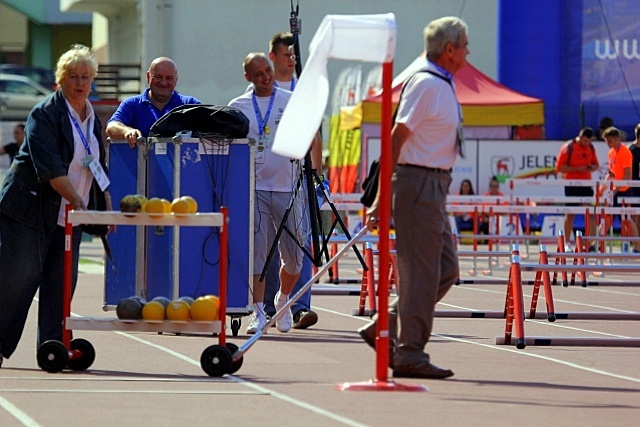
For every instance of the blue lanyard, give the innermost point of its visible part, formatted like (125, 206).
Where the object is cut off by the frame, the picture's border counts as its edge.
(442, 70)
(292, 86)
(449, 76)
(82, 137)
(262, 123)
(153, 111)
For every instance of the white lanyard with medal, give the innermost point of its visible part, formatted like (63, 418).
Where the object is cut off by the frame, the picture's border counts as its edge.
(263, 128)
(88, 161)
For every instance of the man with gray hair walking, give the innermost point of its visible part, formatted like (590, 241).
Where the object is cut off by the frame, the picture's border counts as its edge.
(426, 137)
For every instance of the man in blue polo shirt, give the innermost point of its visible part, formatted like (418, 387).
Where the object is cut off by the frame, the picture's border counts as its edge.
(135, 116)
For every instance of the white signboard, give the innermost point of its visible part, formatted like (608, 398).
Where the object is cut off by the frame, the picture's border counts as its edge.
(505, 159)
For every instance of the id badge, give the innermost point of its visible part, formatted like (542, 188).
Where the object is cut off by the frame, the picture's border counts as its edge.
(261, 149)
(86, 161)
(460, 141)
(99, 175)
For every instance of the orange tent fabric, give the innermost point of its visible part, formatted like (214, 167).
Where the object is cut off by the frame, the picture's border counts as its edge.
(484, 101)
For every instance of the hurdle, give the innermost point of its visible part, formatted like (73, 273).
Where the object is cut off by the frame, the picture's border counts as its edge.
(576, 341)
(569, 341)
(338, 239)
(542, 277)
(497, 254)
(368, 287)
(587, 315)
(475, 255)
(580, 258)
(514, 304)
(348, 202)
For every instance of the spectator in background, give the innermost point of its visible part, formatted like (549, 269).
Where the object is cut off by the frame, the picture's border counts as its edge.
(464, 220)
(494, 190)
(576, 160)
(619, 161)
(607, 122)
(635, 169)
(12, 148)
(135, 116)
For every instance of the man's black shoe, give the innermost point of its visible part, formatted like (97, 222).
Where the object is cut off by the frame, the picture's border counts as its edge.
(422, 370)
(304, 319)
(368, 334)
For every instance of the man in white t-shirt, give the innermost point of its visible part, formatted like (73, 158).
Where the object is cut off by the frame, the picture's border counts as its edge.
(284, 65)
(425, 139)
(276, 178)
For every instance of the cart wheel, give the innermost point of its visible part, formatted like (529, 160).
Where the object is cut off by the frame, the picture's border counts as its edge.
(235, 366)
(52, 356)
(235, 326)
(216, 361)
(87, 355)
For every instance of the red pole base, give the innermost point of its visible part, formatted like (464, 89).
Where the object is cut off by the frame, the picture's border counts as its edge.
(375, 385)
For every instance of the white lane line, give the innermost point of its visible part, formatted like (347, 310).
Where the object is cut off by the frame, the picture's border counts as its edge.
(610, 291)
(16, 413)
(128, 391)
(573, 328)
(335, 417)
(475, 309)
(548, 359)
(314, 409)
(554, 300)
(519, 352)
(64, 377)
(28, 422)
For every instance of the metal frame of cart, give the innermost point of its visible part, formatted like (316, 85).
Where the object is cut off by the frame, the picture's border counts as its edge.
(215, 175)
(79, 354)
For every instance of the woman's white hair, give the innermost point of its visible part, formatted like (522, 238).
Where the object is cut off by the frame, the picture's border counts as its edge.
(78, 54)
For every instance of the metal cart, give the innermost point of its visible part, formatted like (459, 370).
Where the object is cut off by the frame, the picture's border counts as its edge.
(173, 262)
(78, 354)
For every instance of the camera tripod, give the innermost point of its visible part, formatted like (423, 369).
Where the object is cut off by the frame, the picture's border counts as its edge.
(311, 178)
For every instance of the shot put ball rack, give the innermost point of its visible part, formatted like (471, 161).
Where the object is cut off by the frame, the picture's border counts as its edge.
(79, 354)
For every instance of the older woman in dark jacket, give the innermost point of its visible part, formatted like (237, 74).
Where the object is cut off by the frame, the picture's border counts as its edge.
(55, 167)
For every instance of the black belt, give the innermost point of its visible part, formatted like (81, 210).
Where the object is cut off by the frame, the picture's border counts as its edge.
(427, 168)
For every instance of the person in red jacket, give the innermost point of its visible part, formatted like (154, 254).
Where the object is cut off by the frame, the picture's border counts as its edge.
(576, 160)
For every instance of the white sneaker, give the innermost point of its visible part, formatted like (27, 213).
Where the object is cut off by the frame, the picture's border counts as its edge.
(286, 320)
(257, 323)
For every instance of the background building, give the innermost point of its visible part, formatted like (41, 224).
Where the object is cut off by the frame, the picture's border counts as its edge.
(37, 32)
(209, 39)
